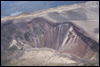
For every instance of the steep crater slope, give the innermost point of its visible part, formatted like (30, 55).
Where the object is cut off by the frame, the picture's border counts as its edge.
(63, 37)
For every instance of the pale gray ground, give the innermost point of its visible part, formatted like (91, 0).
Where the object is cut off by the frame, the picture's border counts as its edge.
(45, 56)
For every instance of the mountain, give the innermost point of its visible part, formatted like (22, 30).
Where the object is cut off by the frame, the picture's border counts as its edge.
(64, 35)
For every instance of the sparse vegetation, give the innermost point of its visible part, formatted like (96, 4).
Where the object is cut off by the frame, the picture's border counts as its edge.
(20, 34)
(13, 49)
(5, 63)
(33, 43)
(5, 36)
(69, 33)
(26, 36)
(42, 41)
(35, 29)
